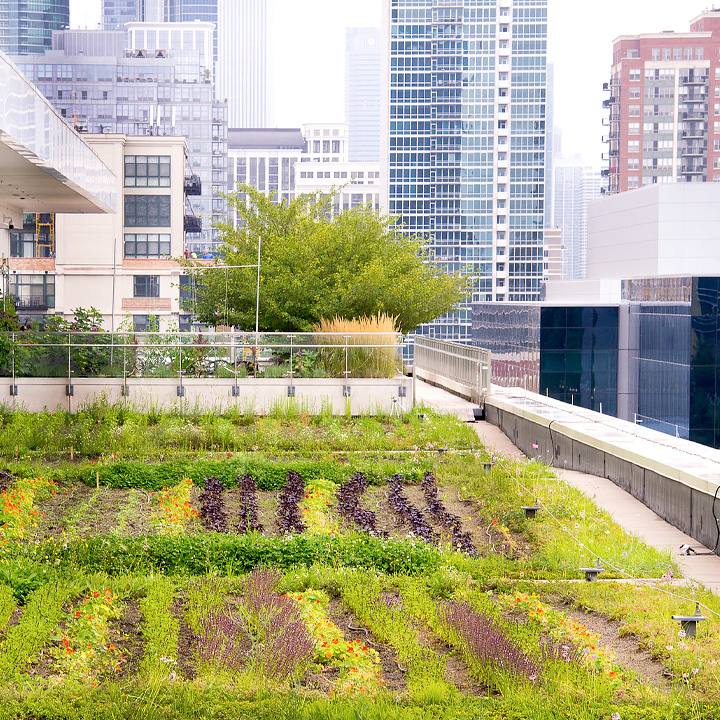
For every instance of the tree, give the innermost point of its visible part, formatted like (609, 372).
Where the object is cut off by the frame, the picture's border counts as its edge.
(356, 264)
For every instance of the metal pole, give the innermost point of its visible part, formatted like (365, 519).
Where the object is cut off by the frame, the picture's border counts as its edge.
(112, 309)
(291, 358)
(257, 300)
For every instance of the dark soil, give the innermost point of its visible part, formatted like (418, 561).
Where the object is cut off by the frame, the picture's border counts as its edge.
(627, 649)
(456, 671)
(125, 635)
(187, 643)
(392, 673)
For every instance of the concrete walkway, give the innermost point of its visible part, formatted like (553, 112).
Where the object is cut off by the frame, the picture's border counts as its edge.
(626, 511)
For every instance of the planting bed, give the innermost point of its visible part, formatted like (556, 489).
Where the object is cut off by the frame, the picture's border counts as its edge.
(343, 584)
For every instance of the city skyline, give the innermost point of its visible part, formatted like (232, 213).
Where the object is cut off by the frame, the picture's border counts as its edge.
(312, 84)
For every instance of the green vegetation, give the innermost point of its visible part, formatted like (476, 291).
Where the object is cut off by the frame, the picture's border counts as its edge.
(320, 601)
(355, 265)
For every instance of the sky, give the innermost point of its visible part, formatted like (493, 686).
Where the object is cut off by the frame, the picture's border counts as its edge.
(309, 53)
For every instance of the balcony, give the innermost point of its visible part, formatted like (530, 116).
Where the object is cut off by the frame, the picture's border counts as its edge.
(193, 224)
(693, 151)
(193, 185)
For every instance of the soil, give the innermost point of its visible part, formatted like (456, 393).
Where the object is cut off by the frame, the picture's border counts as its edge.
(392, 673)
(456, 671)
(126, 636)
(628, 652)
(187, 643)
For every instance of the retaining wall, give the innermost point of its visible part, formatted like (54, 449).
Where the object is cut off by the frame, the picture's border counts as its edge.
(367, 395)
(681, 493)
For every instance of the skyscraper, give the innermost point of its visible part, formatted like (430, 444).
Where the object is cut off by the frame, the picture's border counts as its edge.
(465, 118)
(575, 185)
(240, 47)
(26, 27)
(661, 129)
(242, 70)
(363, 61)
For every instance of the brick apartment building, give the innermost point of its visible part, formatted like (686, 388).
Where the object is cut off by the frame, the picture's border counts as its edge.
(664, 103)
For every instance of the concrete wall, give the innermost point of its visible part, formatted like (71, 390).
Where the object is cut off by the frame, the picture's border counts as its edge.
(368, 396)
(675, 499)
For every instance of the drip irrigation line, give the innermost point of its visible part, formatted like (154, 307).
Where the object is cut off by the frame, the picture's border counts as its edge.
(592, 552)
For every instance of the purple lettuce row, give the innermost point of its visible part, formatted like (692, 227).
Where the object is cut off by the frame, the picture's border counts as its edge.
(487, 641)
(268, 631)
(212, 512)
(348, 503)
(284, 646)
(249, 512)
(223, 640)
(289, 518)
(402, 507)
(447, 520)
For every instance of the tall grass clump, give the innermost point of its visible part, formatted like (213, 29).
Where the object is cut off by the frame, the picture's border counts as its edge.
(364, 357)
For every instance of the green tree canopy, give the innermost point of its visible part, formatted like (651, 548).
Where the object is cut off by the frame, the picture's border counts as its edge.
(356, 264)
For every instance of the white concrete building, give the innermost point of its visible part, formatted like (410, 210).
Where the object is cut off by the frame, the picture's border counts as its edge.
(125, 263)
(326, 142)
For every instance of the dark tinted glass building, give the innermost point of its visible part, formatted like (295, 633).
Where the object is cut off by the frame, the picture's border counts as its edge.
(654, 358)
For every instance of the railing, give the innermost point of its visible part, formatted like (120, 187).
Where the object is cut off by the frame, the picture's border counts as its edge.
(200, 355)
(461, 369)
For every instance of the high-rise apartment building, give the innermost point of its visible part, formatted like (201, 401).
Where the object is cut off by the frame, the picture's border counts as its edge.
(465, 121)
(662, 125)
(26, 27)
(151, 91)
(363, 60)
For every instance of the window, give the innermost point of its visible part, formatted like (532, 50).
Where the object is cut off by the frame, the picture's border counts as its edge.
(32, 292)
(633, 164)
(634, 93)
(147, 211)
(634, 75)
(655, 53)
(147, 171)
(146, 286)
(633, 146)
(699, 53)
(633, 53)
(141, 323)
(688, 53)
(146, 245)
(666, 54)
(633, 181)
(677, 53)
(633, 128)
(634, 111)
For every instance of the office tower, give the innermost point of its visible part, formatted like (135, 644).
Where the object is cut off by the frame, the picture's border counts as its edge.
(575, 185)
(150, 91)
(363, 61)
(660, 87)
(26, 27)
(242, 71)
(464, 118)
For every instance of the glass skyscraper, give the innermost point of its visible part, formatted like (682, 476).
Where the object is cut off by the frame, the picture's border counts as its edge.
(465, 114)
(26, 27)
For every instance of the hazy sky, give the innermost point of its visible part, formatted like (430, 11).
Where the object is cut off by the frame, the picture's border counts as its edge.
(309, 41)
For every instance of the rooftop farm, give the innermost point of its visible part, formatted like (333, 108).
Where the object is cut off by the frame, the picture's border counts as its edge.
(316, 566)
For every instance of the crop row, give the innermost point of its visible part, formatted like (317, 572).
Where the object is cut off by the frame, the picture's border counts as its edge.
(251, 628)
